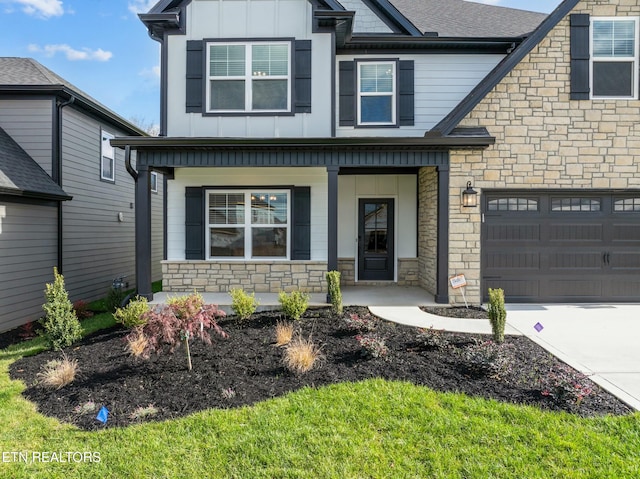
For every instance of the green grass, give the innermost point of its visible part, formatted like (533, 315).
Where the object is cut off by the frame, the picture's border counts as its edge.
(375, 428)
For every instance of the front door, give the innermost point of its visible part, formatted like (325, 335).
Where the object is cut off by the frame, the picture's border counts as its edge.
(375, 240)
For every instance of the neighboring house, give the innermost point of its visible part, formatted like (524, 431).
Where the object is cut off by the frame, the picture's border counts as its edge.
(302, 136)
(66, 199)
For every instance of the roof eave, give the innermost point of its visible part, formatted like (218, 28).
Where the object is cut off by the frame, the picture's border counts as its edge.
(34, 195)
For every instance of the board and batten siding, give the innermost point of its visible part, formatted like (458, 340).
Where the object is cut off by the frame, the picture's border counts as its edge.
(316, 178)
(28, 253)
(242, 19)
(441, 81)
(29, 122)
(97, 246)
(402, 188)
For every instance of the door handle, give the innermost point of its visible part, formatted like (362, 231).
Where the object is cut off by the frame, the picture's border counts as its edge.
(608, 258)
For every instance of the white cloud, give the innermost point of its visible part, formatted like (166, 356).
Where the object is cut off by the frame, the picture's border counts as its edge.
(73, 54)
(42, 8)
(141, 6)
(153, 72)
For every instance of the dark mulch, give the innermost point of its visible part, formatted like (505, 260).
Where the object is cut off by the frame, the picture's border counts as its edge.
(472, 312)
(249, 364)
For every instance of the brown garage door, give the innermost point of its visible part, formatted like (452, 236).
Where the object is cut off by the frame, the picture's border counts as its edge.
(561, 247)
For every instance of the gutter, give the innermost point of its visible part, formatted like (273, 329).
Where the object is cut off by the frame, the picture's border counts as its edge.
(56, 169)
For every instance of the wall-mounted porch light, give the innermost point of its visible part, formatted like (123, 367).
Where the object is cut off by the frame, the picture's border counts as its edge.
(469, 197)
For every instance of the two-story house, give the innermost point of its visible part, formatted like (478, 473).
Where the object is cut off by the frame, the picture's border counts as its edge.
(304, 136)
(66, 199)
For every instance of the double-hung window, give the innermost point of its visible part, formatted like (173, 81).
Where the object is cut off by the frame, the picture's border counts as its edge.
(614, 57)
(107, 158)
(376, 93)
(249, 77)
(248, 224)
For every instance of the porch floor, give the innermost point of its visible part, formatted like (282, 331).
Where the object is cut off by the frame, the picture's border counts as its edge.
(389, 295)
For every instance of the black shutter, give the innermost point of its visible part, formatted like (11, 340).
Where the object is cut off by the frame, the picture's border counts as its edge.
(579, 56)
(301, 232)
(195, 71)
(194, 223)
(405, 93)
(347, 86)
(302, 76)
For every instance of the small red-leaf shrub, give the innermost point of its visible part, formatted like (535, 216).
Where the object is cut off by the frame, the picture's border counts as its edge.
(27, 331)
(432, 338)
(166, 326)
(566, 386)
(487, 358)
(372, 345)
(365, 323)
(82, 310)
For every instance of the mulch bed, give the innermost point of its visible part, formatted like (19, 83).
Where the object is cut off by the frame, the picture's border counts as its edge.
(249, 364)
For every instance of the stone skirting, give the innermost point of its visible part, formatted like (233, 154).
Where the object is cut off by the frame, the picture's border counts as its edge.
(252, 276)
(408, 272)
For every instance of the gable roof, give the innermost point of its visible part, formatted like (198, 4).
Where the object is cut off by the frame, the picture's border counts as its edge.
(461, 18)
(20, 175)
(27, 76)
(448, 123)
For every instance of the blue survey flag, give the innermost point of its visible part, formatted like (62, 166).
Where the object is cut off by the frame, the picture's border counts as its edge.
(103, 415)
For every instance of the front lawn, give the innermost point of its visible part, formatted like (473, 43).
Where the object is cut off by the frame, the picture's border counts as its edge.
(369, 428)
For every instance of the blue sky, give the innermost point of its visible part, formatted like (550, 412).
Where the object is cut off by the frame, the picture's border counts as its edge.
(102, 48)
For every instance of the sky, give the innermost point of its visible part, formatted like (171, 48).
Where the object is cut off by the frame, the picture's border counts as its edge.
(102, 48)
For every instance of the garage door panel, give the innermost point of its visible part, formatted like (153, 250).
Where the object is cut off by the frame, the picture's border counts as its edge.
(575, 247)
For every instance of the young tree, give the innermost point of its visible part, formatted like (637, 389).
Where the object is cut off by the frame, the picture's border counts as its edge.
(61, 327)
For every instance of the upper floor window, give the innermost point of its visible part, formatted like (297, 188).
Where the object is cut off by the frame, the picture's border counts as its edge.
(376, 93)
(614, 57)
(154, 182)
(107, 158)
(249, 77)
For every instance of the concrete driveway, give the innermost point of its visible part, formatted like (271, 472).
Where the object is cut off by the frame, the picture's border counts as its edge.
(600, 340)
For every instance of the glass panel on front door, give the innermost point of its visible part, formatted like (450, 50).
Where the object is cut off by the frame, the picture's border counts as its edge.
(376, 259)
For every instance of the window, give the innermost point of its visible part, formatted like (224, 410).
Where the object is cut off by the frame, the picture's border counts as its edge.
(614, 58)
(249, 77)
(512, 204)
(626, 205)
(154, 182)
(576, 204)
(376, 93)
(248, 224)
(107, 158)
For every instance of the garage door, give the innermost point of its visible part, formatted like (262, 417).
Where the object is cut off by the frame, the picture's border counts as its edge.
(561, 247)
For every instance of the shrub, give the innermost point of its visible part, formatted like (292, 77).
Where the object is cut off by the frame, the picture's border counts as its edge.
(486, 358)
(137, 343)
(497, 314)
(132, 314)
(301, 355)
(175, 323)
(60, 325)
(566, 386)
(243, 304)
(333, 284)
(142, 412)
(82, 309)
(354, 322)
(58, 373)
(284, 333)
(294, 304)
(228, 394)
(85, 408)
(114, 299)
(373, 346)
(27, 331)
(432, 338)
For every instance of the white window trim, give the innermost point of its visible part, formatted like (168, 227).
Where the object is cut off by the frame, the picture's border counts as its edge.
(154, 174)
(248, 77)
(108, 136)
(248, 226)
(635, 59)
(394, 93)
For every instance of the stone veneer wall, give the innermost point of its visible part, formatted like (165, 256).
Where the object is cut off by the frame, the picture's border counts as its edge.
(408, 272)
(427, 228)
(543, 139)
(253, 276)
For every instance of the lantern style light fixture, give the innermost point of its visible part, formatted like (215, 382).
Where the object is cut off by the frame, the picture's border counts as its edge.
(469, 197)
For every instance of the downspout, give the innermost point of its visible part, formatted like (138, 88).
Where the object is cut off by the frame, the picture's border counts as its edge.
(56, 169)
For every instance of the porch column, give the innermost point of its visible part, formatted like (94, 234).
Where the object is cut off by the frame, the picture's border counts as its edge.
(332, 214)
(442, 287)
(143, 232)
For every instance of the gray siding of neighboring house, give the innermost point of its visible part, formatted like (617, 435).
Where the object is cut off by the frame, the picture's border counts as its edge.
(157, 230)
(97, 246)
(28, 253)
(29, 123)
